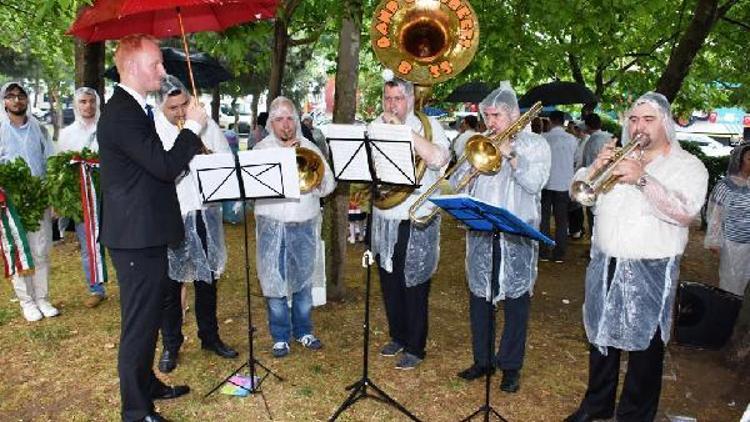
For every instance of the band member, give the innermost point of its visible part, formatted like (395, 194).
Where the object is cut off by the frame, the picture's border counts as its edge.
(288, 239)
(640, 234)
(141, 215)
(202, 254)
(517, 187)
(407, 253)
(21, 136)
(79, 135)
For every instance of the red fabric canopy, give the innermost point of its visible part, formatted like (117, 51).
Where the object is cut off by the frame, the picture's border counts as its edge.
(114, 19)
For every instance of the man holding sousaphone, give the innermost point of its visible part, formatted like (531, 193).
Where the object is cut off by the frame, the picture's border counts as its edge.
(288, 235)
(517, 187)
(407, 253)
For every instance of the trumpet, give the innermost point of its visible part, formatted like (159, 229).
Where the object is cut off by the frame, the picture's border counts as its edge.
(310, 169)
(602, 180)
(483, 153)
(180, 123)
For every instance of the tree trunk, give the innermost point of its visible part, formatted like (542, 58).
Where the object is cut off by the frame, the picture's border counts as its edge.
(215, 103)
(281, 45)
(705, 15)
(89, 60)
(738, 351)
(345, 107)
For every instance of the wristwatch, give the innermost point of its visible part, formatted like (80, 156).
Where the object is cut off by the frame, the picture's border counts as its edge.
(642, 181)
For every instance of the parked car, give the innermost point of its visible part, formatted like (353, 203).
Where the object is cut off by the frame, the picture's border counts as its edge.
(709, 146)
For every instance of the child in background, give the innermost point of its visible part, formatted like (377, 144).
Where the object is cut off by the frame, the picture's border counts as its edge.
(358, 197)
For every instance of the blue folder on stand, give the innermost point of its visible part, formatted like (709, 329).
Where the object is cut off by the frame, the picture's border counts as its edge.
(481, 216)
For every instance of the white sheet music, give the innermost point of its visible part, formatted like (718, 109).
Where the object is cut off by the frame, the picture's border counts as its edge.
(265, 173)
(348, 152)
(392, 153)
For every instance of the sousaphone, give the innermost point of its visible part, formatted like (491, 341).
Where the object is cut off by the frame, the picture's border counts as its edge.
(425, 42)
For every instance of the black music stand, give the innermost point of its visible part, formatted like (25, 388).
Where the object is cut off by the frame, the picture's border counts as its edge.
(269, 176)
(481, 216)
(349, 168)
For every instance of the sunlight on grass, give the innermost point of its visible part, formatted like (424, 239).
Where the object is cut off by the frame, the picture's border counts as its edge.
(48, 334)
(5, 316)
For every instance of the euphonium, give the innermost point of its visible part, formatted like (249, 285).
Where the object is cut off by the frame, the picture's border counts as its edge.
(310, 169)
(425, 43)
(602, 180)
(483, 153)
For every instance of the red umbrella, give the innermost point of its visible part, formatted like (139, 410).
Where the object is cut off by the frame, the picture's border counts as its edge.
(114, 19)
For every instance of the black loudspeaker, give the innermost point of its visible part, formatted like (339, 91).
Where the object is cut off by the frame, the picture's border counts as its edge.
(705, 315)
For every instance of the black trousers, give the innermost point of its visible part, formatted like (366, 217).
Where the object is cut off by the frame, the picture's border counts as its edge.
(639, 399)
(512, 347)
(555, 203)
(142, 275)
(205, 306)
(405, 307)
(575, 220)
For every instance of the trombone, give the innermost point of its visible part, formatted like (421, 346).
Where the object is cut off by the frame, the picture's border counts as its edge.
(483, 153)
(602, 180)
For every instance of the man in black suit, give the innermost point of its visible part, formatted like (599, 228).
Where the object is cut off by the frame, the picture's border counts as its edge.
(141, 215)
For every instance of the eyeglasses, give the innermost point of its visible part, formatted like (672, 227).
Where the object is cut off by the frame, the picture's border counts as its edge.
(17, 97)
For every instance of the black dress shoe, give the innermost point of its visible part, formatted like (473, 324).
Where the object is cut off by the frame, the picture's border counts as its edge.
(165, 392)
(154, 417)
(475, 371)
(220, 349)
(511, 380)
(168, 361)
(581, 416)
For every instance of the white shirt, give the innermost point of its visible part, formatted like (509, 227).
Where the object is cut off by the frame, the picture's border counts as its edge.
(212, 137)
(78, 136)
(459, 144)
(562, 147)
(629, 226)
(439, 138)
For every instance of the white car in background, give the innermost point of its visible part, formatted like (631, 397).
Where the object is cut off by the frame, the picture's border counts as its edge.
(708, 145)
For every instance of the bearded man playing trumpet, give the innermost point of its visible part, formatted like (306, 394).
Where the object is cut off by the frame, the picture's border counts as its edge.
(517, 187)
(640, 234)
(408, 253)
(288, 239)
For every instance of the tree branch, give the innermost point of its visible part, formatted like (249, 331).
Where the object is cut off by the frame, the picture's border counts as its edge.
(742, 25)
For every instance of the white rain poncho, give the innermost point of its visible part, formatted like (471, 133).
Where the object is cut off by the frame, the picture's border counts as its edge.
(288, 230)
(423, 248)
(729, 224)
(29, 142)
(519, 191)
(189, 261)
(646, 232)
(78, 136)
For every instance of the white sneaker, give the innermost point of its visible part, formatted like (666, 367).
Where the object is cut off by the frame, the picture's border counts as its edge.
(47, 309)
(31, 312)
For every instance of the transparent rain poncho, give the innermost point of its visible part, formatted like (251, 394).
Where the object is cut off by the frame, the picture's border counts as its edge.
(519, 191)
(729, 223)
(287, 231)
(77, 136)
(646, 231)
(191, 260)
(30, 142)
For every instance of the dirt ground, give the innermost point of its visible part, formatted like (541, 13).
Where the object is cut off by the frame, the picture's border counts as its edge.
(64, 369)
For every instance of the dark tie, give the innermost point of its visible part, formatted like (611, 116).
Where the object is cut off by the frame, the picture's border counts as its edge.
(150, 111)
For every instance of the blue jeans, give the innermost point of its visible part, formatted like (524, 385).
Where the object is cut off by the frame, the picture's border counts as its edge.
(279, 322)
(96, 289)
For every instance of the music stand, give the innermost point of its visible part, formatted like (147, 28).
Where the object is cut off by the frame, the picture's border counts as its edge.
(270, 173)
(356, 158)
(481, 216)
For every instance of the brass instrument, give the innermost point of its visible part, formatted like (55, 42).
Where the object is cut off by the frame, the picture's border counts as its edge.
(180, 123)
(483, 153)
(310, 169)
(602, 180)
(425, 43)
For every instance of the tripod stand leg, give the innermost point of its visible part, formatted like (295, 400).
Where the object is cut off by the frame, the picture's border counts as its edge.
(217, 386)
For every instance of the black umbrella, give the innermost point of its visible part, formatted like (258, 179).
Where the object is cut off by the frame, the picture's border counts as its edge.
(470, 92)
(555, 93)
(208, 72)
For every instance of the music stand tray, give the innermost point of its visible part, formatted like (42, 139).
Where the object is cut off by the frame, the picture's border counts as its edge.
(481, 216)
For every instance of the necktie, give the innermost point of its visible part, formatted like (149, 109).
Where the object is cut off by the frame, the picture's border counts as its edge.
(150, 111)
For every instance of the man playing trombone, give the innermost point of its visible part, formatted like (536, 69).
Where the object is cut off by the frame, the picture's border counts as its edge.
(517, 187)
(640, 234)
(408, 253)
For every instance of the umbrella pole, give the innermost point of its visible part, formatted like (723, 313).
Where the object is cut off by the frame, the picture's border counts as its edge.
(187, 53)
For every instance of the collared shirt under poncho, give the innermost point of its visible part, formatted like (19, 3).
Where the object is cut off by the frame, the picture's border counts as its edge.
(646, 231)
(288, 233)
(189, 261)
(423, 249)
(519, 191)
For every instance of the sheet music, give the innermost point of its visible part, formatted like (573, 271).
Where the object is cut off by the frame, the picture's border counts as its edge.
(214, 176)
(392, 153)
(348, 152)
